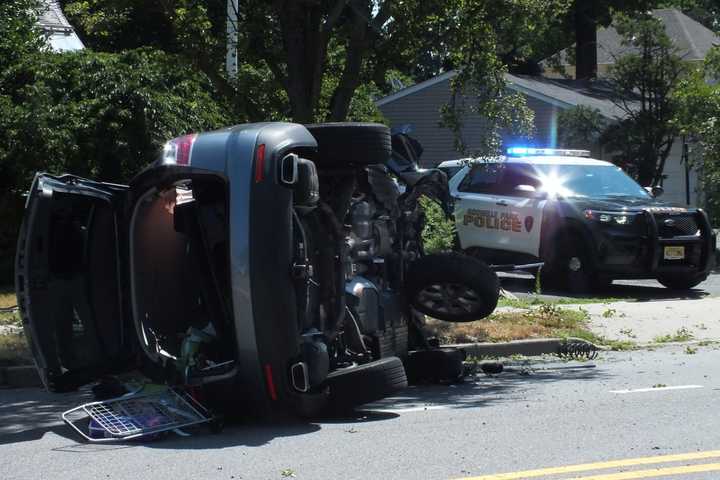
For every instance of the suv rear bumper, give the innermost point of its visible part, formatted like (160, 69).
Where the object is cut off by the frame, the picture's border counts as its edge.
(642, 254)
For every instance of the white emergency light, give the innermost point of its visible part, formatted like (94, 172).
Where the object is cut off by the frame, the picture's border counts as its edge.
(558, 152)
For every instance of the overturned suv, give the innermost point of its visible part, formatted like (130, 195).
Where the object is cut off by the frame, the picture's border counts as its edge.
(275, 266)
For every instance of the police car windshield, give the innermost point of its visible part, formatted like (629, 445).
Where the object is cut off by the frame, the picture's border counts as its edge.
(591, 181)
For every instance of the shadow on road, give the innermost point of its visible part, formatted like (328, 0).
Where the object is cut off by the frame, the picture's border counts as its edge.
(27, 415)
(514, 384)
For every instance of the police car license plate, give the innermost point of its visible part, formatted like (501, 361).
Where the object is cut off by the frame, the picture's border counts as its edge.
(674, 253)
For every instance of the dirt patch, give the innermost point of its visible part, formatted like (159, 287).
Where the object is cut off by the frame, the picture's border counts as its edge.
(14, 349)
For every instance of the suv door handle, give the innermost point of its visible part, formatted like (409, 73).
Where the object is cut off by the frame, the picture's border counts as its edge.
(502, 203)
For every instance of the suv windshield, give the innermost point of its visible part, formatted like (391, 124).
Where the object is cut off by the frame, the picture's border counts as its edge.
(588, 181)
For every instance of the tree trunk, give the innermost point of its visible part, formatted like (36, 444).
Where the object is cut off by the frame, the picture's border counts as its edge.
(305, 47)
(585, 39)
(356, 48)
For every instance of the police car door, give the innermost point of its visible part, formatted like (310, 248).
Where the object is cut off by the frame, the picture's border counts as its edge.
(521, 204)
(477, 209)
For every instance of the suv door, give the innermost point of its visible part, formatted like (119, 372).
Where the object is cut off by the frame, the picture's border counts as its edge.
(68, 280)
(478, 210)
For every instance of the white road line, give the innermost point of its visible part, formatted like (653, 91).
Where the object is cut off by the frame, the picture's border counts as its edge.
(658, 389)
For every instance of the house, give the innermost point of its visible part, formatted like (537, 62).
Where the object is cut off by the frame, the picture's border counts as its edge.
(419, 105)
(692, 40)
(61, 36)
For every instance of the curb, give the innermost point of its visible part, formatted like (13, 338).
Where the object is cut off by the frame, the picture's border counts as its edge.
(528, 348)
(19, 377)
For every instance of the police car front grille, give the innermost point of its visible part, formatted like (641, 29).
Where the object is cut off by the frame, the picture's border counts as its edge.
(675, 225)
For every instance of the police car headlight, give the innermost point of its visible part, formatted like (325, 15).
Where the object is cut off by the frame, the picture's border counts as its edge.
(618, 218)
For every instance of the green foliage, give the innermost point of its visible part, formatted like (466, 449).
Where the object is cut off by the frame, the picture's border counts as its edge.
(439, 232)
(98, 115)
(698, 118)
(580, 127)
(645, 81)
(19, 34)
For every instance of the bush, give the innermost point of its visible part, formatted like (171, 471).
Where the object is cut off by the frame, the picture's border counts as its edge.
(99, 115)
(439, 232)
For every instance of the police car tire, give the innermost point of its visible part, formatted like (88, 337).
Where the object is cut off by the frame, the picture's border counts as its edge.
(558, 274)
(682, 282)
(448, 268)
(344, 144)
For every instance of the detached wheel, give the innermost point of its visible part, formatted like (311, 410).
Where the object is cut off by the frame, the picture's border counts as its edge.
(440, 365)
(346, 143)
(452, 287)
(682, 282)
(361, 384)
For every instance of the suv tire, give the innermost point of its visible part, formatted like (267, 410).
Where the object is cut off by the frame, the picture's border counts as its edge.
(438, 365)
(452, 287)
(369, 382)
(346, 144)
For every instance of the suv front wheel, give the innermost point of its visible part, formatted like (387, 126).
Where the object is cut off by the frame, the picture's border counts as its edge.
(571, 269)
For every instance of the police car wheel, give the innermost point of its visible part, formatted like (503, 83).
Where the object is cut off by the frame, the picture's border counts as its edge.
(572, 270)
(682, 282)
(452, 287)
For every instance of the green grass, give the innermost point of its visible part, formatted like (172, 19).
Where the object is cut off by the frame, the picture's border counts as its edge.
(681, 335)
(545, 320)
(7, 296)
(10, 318)
(14, 350)
(533, 301)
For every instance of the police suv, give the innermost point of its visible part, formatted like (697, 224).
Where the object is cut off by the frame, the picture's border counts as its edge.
(587, 220)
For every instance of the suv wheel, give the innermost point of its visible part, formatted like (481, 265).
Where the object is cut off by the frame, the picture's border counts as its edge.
(452, 287)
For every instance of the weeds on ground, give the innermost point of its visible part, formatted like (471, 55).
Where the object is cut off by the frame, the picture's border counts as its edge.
(681, 335)
(14, 350)
(7, 297)
(10, 318)
(533, 300)
(545, 320)
(690, 350)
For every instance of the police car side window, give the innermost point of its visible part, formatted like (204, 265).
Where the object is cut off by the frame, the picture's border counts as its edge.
(516, 180)
(483, 178)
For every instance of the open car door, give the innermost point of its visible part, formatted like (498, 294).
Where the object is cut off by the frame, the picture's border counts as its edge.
(69, 280)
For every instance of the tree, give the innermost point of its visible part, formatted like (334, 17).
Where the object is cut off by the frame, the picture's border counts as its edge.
(645, 82)
(698, 118)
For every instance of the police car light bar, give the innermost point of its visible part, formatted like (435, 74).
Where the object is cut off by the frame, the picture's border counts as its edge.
(561, 152)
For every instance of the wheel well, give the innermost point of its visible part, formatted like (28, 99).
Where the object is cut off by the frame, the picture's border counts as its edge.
(569, 229)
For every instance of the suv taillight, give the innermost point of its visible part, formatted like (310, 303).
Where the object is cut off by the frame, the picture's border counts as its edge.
(178, 150)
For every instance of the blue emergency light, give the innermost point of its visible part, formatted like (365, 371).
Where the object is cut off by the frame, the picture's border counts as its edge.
(559, 152)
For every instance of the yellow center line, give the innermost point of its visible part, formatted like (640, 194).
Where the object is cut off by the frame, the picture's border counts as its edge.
(656, 472)
(631, 462)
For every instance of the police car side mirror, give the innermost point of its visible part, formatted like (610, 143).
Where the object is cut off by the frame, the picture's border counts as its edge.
(529, 191)
(655, 191)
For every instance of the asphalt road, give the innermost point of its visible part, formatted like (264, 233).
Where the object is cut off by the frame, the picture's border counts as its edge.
(536, 417)
(524, 284)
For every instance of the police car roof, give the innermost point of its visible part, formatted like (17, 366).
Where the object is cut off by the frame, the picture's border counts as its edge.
(531, 159)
